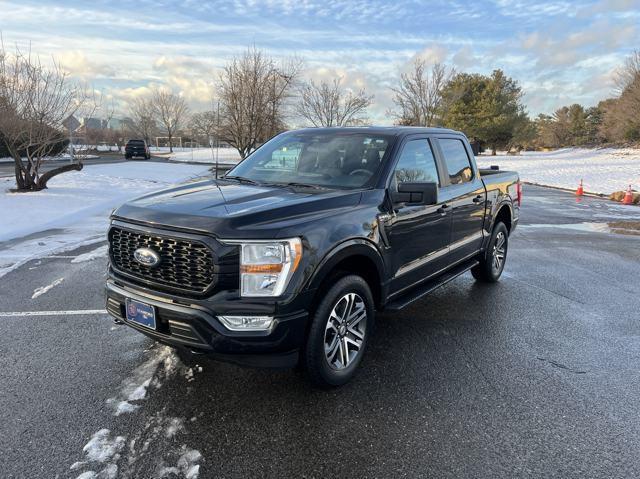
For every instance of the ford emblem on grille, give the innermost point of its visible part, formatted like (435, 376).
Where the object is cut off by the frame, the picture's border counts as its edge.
(146, 256)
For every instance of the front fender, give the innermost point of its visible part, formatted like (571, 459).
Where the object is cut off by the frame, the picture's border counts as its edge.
(344, 250)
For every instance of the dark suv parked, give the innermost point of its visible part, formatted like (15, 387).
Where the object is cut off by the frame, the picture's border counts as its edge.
(286, 259)
(137, 149)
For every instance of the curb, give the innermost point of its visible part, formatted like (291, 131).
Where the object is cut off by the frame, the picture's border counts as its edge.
(569, 190)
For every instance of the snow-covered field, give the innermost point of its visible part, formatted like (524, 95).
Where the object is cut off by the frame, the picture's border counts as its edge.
(74, 210)
(603, 170)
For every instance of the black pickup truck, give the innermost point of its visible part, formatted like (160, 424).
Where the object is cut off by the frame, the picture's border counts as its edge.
(137, 149)
(285, 260)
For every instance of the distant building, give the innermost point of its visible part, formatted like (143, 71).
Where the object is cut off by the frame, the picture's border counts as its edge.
(93, 123)
(125, 123)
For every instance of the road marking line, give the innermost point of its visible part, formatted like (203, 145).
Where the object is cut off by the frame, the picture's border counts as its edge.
(77, 312)
(44, 289)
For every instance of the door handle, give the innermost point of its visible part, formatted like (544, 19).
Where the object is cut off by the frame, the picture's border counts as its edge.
(478, 199)
(443, 209)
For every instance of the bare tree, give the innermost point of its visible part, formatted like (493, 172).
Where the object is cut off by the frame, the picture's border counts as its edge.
(621, 121)
(143, 117)
(34, 101)
(418, 98)
(170, 111)
(329, 104)
(253, 91)
(629, 73)
(203, 125)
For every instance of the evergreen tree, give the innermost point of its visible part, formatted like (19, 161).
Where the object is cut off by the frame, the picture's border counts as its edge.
(486, 108)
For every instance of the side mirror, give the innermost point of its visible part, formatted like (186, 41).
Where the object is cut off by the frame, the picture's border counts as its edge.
(416, 193)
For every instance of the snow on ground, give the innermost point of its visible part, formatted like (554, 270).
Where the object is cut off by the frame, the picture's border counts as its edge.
(603, 170)
(108, 455)
(74, 210)
(226, 156)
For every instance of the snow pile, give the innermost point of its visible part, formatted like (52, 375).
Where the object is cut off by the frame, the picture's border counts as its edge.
(226, 156)
(603, 170)
(76, 205)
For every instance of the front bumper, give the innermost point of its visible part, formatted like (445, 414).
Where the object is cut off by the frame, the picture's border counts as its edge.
(195, 327)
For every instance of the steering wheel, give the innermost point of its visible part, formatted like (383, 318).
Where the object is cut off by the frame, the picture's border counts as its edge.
(361, 171)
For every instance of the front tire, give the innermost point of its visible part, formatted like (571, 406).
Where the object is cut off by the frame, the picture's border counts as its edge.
(492, 262)
(341, 326)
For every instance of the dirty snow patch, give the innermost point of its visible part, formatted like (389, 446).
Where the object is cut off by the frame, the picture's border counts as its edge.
(102, 448)
(187, 465)
(135, 387)
(91, 255)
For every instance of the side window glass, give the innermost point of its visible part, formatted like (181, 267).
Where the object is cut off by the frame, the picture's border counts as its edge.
(457, 160)
(416, 163)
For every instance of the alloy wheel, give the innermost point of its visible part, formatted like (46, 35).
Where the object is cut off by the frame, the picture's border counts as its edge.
(499, 251)
(345, 331)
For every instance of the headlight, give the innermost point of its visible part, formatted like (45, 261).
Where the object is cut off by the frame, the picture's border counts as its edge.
(267, 266)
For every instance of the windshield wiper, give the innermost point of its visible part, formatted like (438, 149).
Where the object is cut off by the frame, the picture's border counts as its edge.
(302, 185)
(241, 179)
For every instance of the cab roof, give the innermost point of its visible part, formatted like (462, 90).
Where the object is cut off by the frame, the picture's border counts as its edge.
(382, 130)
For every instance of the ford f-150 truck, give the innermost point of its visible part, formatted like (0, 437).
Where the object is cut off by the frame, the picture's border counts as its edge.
(286, 259)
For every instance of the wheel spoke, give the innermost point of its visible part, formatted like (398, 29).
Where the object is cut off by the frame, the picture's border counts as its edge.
(345, 349)
(348, 340)
(358, 316)
(356, 333)
(343, 353)
(333, 349)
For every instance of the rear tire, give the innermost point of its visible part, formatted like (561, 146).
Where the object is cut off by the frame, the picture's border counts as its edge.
(494, 258)
(341, 326)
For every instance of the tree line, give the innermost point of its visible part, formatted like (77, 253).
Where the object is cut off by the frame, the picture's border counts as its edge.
(259, 96)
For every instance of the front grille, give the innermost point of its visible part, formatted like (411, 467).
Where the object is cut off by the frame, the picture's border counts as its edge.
(184, 264)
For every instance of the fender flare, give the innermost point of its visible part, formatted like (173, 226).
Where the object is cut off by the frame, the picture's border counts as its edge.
(494, 214)
(352, 247)
(506, 201)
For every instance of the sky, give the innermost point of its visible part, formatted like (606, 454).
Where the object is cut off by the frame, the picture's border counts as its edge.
(560, 52)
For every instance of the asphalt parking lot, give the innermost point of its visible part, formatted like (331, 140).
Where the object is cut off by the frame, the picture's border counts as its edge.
(536, 376)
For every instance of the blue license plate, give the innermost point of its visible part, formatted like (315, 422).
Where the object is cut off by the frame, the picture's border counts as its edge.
(141, 313)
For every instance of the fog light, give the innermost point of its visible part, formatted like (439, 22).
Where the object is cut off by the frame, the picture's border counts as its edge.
(246, 323)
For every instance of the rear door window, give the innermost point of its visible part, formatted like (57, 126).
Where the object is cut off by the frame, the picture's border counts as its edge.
(457, 160)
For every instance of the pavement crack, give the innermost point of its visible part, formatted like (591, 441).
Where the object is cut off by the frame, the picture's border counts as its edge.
(558, 365)
(546, 289)
(473, 363)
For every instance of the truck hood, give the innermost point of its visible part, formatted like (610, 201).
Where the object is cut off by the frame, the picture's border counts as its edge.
(232, 210)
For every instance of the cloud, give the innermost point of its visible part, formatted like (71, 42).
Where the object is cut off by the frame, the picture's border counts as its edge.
(556, 49)
(76, 63)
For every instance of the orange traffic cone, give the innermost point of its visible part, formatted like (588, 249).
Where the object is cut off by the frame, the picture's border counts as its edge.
(628, 197)
(580, 190)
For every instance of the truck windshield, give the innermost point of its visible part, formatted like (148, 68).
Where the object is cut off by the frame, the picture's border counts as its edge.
(331, 160)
